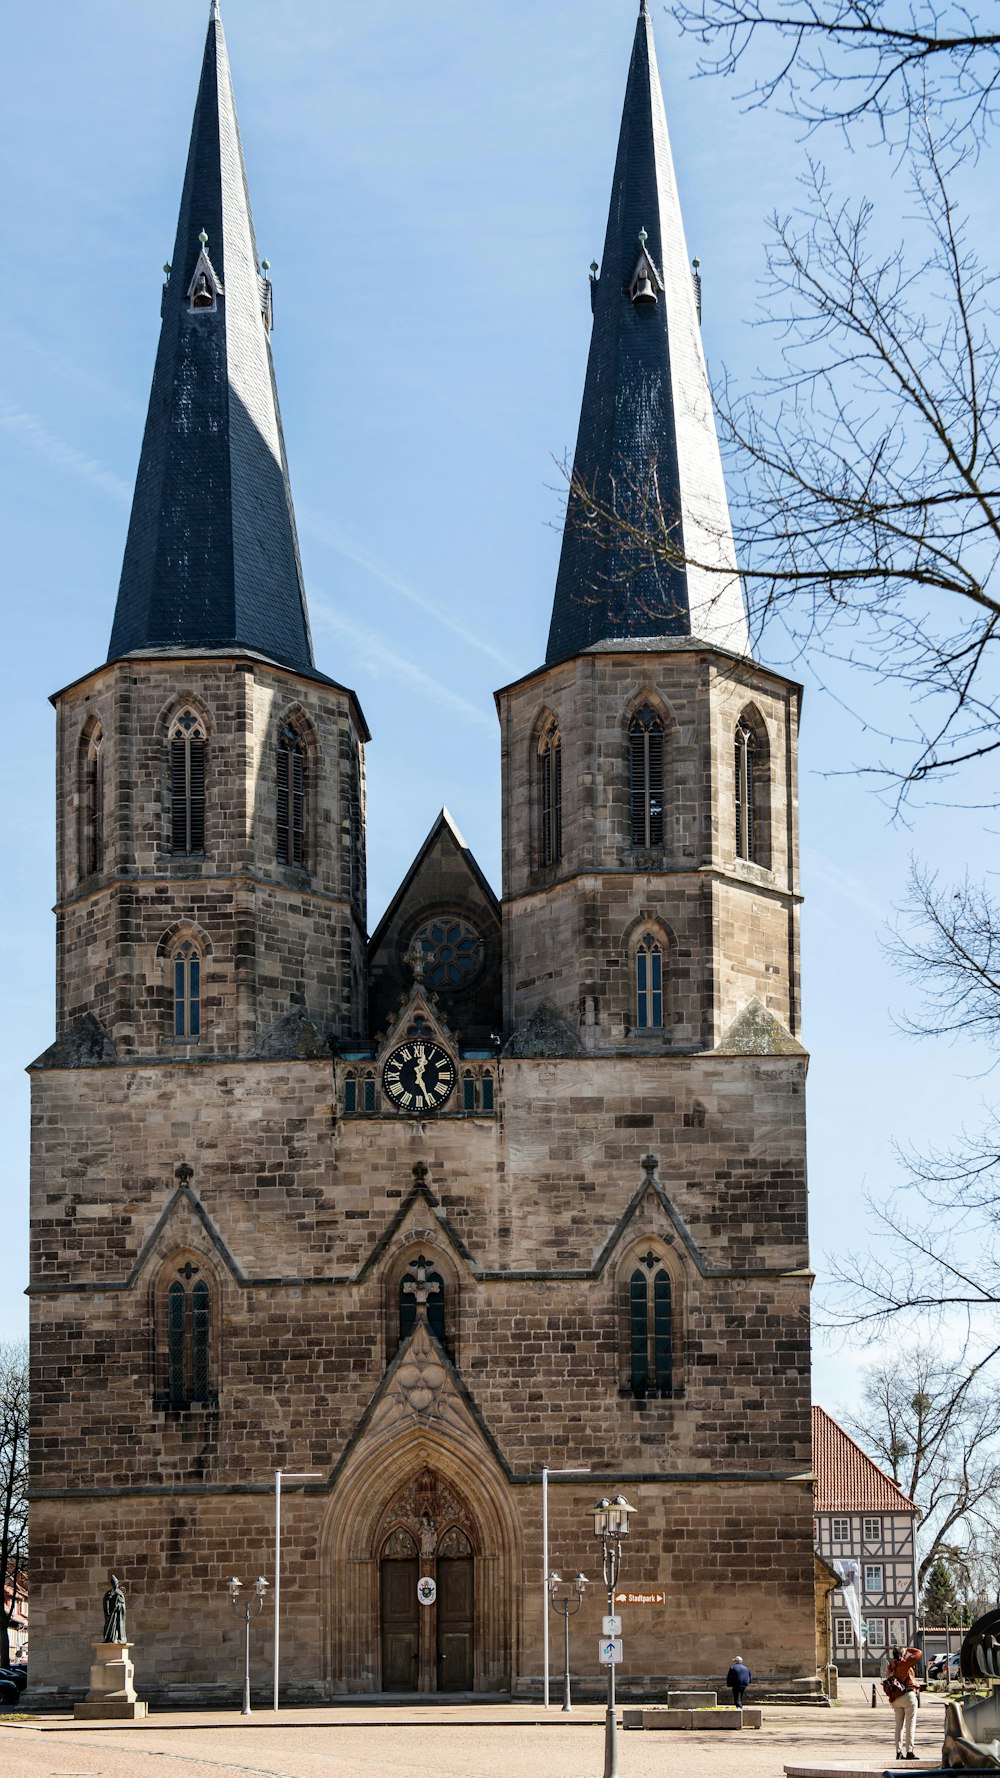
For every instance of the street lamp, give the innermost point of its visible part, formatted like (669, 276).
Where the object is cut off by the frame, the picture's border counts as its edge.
(235, 1588)
(569, 1608)
(611, 1519)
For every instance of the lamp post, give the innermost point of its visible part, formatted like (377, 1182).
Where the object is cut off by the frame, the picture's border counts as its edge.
(235, 1588)
(546, 1472)
(569, 1608)
(611, 1519)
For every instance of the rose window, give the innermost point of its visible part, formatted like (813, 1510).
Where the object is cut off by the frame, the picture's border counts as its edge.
(453, 953)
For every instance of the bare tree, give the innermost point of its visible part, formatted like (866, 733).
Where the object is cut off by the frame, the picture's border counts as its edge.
(933, 1427)
(848, 61)
(13, 1482)
(865, 473)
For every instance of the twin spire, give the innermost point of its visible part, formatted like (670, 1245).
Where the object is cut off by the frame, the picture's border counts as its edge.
(647, 548)
(212, 560)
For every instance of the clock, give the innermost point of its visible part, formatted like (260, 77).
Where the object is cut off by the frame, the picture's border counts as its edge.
(418, 1076)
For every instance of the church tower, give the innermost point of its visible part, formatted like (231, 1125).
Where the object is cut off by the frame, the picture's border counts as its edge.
(211, 869)
(650, 868)
(496, 1211)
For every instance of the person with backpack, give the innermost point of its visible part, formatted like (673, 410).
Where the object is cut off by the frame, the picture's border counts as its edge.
(901, 1688)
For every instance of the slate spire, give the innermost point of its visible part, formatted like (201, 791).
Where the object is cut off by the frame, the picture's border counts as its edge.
(212, 558)
(647, 443)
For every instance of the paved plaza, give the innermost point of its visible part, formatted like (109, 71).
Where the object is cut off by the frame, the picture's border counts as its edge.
(446, 1741)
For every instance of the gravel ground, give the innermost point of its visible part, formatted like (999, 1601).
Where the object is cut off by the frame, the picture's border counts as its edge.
(445, 1741)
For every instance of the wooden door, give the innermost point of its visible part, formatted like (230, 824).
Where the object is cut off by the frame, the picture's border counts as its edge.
(400, 1625)
(455, 1629)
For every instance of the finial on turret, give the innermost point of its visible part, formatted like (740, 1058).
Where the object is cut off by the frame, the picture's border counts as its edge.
(643, 9)
(203, 237)
(215, 17)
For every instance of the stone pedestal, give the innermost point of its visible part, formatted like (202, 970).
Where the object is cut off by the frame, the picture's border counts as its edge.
(112, 1688)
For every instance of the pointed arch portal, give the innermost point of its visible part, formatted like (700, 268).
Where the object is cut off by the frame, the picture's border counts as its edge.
(425, 1507)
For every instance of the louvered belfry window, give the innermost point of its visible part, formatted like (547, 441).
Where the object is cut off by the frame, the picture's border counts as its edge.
(550, 797)
(745, 793)
(291, 798)
(187, 783)
(645, 757)
(93, 805)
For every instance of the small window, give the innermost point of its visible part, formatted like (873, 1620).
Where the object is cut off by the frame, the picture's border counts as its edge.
(368, 1095)
(873, 1577)
(550, 796)
(746, 793)
(645, 754)
(351, 1092)
(291, 797)
(650, 1330)
(840, 1530)
(871, 1530)
(418, 1280)
(649, 984)
(899, 1632)
(188, 1333)
(186, 965)
(187, 783)
(468, 1091)
(873, 1629)
(843, 1632)
(487, 1090)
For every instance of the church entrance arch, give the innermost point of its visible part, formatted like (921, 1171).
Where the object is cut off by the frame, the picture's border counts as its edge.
(424, 1507)
(427, 1530)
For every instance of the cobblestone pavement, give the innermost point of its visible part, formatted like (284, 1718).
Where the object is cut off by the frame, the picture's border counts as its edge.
(444, 1741)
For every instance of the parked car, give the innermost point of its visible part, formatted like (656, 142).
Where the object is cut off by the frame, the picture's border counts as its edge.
(945, 1666)
(10, 1695)
(16, 1673)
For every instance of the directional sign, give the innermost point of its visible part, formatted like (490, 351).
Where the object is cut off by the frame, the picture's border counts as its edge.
(653, 1596)
(609, 1651)
(611, 1626)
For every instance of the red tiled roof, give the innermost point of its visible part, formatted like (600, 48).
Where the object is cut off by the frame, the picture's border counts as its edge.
(846, 1478)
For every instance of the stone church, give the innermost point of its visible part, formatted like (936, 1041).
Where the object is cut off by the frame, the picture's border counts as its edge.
(508, 1183)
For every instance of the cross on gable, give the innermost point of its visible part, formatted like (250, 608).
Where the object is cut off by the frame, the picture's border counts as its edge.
(421, 1287)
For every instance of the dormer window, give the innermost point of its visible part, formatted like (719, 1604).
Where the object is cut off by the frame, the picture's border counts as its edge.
(204, 289)
(645, 282)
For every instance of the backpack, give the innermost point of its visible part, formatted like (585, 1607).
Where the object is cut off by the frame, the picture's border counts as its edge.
(893, 1687)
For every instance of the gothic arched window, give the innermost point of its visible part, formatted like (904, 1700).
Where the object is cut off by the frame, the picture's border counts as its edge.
(188, 1341)
(185, 963)
(92, 803)
(416, 1278)
(649, 983)
(290, 810)
(645, 760)
(550, 795)
(187, 783)
(746, 793)
(650, 1329)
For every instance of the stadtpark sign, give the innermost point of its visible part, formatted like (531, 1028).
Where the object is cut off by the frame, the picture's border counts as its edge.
(653, 1597)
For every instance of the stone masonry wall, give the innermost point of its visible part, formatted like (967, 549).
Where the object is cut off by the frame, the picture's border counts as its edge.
(570, 927)
(273, 936)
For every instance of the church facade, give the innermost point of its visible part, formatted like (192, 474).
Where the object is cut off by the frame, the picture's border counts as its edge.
(507, 1184)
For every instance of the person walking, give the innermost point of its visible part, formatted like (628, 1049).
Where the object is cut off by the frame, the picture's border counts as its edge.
(901, 1689)
(737, 1679)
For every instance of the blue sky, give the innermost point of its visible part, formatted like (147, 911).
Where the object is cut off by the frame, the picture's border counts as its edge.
(429, 185)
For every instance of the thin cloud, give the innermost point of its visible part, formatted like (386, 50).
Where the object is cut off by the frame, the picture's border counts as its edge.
(373, 655)
(816, 867)
(36, 437)
(389, 577)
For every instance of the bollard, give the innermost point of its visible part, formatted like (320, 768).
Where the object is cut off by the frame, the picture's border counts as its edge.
(874, 1696)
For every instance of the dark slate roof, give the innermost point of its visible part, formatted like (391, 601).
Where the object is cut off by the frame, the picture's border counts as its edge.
(647, 434)
(212, 558)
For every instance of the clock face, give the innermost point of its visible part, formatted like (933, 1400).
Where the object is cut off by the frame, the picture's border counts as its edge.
(418, 1076)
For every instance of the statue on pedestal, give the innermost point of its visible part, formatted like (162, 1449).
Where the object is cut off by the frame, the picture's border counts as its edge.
(114, 1613)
